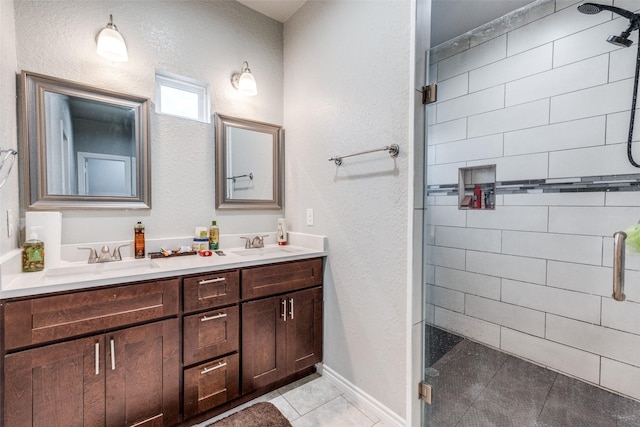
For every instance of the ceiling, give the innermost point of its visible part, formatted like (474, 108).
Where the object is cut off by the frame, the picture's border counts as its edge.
(280, 10)
(449, 18)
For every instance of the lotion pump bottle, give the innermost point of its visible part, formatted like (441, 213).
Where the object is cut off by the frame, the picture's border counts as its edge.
(33, 253)
(138, 240)
(282, 232)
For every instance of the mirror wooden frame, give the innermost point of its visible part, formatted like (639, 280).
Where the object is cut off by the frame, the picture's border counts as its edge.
(33, 176)
(223, 123)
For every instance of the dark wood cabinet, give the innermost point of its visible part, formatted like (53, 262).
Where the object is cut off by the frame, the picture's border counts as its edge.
(59, 385)
(275, 279)
(280, 336)
(142, 375)
(263, 343)
(158, 352)
(211, 290)
(211, 384)
(304, 330)
(211, 341)
(44, 319)
(125, 378)
(211, 334)
(122, 375)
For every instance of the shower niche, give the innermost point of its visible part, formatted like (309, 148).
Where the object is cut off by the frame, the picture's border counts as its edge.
(477, 187)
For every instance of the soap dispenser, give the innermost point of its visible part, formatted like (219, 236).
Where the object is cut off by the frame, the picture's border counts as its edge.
(33, 253)
(282, 232)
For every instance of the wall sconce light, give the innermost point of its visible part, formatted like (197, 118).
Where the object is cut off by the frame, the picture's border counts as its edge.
(111, 45)
(245, 82)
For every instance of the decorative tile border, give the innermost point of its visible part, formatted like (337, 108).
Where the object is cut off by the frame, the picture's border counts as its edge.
(553, 185)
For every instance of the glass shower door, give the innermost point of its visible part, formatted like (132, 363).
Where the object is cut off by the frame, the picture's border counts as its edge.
(526, 184)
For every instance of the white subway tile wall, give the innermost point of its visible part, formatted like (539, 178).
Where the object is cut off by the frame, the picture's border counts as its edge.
(546, 100)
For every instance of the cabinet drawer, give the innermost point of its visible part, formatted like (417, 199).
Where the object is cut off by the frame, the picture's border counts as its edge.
(211, 290)
(39, 320)
(211, 334)
(279, 278)
(211, 384)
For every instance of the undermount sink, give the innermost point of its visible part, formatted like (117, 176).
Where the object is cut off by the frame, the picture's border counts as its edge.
(269, 250)
(72, 269)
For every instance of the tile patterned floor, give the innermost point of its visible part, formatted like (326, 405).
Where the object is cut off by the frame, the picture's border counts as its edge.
(474, 385)
(313, 402)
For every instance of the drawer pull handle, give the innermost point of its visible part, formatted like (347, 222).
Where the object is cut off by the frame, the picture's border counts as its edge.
(216, 280)
(113, 355)
(217, 316)
(291, 308)
(284, 310)
(97, 358)
(213, 368)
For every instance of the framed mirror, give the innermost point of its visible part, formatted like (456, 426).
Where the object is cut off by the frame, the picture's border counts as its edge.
(82, 147)
(249, 162)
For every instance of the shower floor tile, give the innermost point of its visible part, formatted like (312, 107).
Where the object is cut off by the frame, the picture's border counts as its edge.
(474, 385)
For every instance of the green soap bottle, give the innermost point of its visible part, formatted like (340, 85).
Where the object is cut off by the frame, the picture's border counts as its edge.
(214, 236)
(33, 253)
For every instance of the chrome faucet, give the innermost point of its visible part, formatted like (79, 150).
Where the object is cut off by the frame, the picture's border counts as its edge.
(105, 255)
(255, 243)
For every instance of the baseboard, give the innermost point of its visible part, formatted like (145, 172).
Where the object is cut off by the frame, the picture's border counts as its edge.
(386, 415)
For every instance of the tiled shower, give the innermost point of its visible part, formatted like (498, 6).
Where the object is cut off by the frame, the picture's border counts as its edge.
(541, 95)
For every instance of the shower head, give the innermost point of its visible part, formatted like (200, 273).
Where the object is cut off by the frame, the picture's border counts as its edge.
(623, 38)
(589, 8)
(620, 40)
(593, 8)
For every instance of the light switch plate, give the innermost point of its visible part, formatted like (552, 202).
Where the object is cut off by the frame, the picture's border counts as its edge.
(309, 216)
(9, 223)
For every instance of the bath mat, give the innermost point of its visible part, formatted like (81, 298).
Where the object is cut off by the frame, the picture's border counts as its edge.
(263, 414)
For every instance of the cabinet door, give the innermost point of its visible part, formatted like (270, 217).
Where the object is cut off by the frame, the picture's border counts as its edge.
(52, 318)
(263, 343)
(60, 385)
(275, 279)
(304, 329)
(211, 384)
(211, 290)
(142, 375)
(210, 334)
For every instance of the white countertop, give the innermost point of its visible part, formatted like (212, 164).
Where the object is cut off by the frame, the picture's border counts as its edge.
(68, 276)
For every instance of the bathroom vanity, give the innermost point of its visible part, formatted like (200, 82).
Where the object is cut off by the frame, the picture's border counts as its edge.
(160, 351)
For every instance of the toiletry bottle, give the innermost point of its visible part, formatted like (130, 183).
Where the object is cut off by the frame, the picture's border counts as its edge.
(214, 236)
(282, 232)
(477, 197)
(138, 240)
(33, 253)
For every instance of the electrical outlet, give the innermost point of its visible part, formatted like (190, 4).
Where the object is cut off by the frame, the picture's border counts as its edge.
(309, 216)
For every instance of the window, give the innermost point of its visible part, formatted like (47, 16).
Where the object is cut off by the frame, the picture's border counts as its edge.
(181, 96)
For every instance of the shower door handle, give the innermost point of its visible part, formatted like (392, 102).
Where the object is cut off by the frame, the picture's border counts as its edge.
(619, 238)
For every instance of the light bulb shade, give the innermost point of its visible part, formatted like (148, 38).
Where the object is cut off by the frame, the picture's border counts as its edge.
(244, 82)
(111, 45)
(247, 84)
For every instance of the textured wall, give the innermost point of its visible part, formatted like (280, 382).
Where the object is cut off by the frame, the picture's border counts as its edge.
(204, 40)
(8, 123)
(544, 97)
(347, 90)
